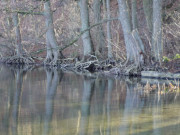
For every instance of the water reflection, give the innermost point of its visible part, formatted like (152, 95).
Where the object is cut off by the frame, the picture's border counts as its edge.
(53, 78)
(51, 102)
(14, 97)
(88, 90)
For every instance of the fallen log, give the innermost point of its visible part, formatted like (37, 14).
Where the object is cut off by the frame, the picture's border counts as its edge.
(160, 75)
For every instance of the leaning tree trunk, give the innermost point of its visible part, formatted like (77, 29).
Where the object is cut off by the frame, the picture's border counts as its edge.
(157, 48)
(99, 30)
(51, 42)
(17, 30)
(109, 37)
(86, 38)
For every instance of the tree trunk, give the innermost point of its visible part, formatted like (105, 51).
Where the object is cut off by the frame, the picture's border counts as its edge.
(17, 30)
(51, 42)
(124, 18)
(99, 30)
(87, 43)
(133, 42)
(157, 48)
(134, 14)
(148, 10)
(109, 37)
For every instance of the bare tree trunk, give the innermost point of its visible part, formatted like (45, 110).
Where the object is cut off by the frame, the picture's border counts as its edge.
(124, 18)
(87, 43)
(148, 10)
(109, 37)
(99, 30)
(133, 42)
(17, 30)
(51, 42)
(134, 14)
(157, 47)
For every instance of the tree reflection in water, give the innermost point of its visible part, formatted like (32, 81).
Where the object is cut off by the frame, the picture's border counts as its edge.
(89, 85)
(82, 105)
(53, 78)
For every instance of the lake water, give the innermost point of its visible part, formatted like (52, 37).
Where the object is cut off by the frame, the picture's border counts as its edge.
(50, 102)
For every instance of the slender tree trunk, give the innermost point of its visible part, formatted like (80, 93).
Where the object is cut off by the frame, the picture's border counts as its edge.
(157, 30)
(99, 30)
(86, 38)
(51, 42)
(109, 37)
(17, 30)
(134, 14)
(104, 8)
(148, 10)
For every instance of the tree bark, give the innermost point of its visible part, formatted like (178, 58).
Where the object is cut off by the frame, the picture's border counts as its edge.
(109, 36)
(98, 30)
(87, 43)
(133, 42)
(51, 42)
(148, 10)
(124, 18)
(17, 30)
(157, 48)
(134, 14)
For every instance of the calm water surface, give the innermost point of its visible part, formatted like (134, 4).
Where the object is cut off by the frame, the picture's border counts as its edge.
(51, 102)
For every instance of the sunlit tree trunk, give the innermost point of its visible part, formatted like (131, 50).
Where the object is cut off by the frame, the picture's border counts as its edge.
(17, 30)
(98, 29)
(51, 42)
(109, 36)
(157, 30)
(86, 38)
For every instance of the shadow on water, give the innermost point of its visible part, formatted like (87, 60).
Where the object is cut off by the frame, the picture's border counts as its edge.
(53, 102)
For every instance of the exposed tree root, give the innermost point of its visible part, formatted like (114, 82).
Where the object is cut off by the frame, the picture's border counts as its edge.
(18, 60)
(50, 62)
